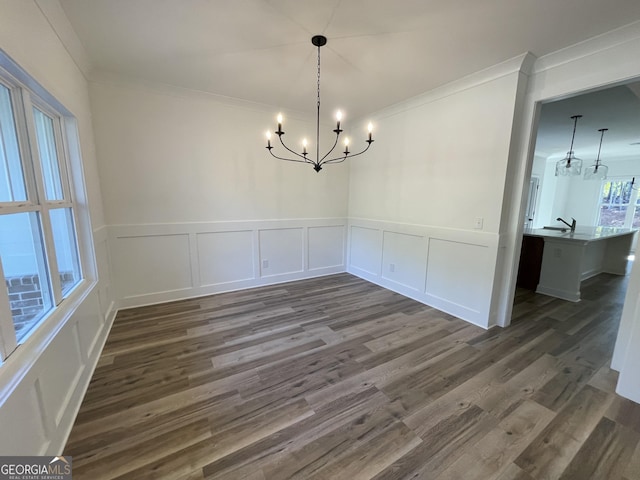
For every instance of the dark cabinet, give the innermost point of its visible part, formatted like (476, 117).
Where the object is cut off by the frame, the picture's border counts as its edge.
(530, 262)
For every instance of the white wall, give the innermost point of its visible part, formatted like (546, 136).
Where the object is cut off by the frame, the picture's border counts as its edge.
(42, 383)
(195, 203)
(438, 168)
(170, 155)
(546, 192)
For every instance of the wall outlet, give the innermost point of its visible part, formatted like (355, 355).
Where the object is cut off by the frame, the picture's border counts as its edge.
(392, 267)
(479, 221)
(265, 263)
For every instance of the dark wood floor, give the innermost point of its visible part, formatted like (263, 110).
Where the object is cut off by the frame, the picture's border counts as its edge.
(336, 378)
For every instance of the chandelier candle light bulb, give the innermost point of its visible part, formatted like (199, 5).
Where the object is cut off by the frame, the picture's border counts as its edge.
(318, 162)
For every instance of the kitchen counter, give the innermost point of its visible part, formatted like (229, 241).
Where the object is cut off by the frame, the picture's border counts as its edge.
(568, 258)
(586, 234)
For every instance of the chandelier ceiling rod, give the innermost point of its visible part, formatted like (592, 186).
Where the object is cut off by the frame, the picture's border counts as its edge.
(318, 41)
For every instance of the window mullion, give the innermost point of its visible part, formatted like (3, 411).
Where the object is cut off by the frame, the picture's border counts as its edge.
(52, 261)
(631, 209)
(62, 164)
(18, 208)
(21, 99)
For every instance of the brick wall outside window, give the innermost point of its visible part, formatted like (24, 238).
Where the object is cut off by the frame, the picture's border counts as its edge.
(25, 298)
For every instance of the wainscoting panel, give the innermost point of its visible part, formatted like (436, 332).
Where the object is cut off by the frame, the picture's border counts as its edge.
(457, 276)
(89, 324)
(214, 257)
(152, 263)
(326, 246)
(451, 270)
(281, 251)
(64, 353)
(103, 263)
(46, 378)
(21, 416)
(404, 259)
(225, 257)
(365, 250)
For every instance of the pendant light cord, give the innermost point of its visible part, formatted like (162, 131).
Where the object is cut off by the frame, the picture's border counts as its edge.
(600, 147)
(602, 130)
(575, 124)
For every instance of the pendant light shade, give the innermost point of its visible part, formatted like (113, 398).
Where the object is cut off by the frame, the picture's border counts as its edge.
(597, 171)
(570, 165)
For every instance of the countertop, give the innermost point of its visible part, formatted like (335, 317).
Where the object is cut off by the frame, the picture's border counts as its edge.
(584, 234)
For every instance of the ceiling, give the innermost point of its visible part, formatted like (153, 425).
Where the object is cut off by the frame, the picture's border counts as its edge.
(616, 108)
(379, 51)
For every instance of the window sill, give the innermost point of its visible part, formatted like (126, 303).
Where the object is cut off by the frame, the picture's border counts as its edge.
(22, 360)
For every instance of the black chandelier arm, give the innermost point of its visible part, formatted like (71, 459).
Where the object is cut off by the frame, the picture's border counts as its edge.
(321, 161)
(349, 155)
(305, 159)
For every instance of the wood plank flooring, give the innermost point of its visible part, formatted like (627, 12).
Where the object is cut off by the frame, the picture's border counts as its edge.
(336, 378)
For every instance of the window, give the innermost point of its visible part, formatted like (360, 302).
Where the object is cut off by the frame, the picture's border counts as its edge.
(39, 256)
(619, 205)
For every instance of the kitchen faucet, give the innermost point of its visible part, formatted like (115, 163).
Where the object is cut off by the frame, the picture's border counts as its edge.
(572, 226)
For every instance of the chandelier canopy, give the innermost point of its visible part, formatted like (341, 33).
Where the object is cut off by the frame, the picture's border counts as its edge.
(304, 156)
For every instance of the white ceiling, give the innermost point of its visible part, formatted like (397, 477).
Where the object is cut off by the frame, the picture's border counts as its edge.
(379, 51)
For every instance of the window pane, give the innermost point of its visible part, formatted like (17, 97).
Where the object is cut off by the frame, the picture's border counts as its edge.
(24, 268)
(612, 215)
(636, 219)
(48, 155)
(64, 240)
(11, 177)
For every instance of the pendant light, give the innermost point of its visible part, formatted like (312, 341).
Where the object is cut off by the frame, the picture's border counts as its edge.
(570, 165)
(597, 171)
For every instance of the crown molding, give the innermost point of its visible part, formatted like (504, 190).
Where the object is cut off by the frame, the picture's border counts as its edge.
(523, 64)
(599, 43)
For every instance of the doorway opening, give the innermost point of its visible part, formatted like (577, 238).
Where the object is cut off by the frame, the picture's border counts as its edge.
(612, 202)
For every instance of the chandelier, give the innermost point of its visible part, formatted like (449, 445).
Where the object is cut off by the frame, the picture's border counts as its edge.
(304, 156)
(570, 165)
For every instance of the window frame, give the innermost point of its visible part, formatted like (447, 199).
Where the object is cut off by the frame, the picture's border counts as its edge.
(631, 207)
(26, 94)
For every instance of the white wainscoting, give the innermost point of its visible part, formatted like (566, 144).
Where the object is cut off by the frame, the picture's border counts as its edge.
(45, 379)
(164, 262)
(451, 270)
